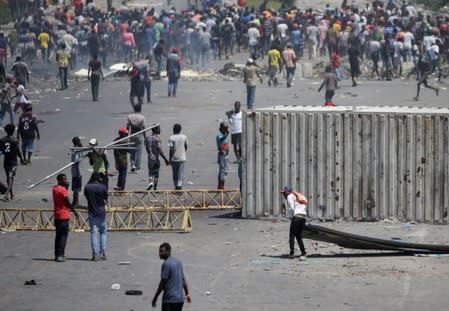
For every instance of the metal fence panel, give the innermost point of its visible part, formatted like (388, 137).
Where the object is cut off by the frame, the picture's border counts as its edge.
(369, 163)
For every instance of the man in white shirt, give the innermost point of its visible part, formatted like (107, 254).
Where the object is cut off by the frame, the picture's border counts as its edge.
(297, 212)
(435, 59)
(409, 39)
(253, 40)
(282, 30)
(235, 121)
(178, 148)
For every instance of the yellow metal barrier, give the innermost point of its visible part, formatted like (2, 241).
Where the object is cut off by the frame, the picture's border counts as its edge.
(119, 219)
(169, 199)
(161, 210)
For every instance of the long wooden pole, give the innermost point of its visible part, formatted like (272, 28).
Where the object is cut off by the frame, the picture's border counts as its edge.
(102, 147)
(126, 147)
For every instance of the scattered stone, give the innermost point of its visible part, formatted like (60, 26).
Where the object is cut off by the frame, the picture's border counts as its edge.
(115, 286)
(133, 292)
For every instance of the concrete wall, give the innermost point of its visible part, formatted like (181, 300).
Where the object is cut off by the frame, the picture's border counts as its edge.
(371, 163)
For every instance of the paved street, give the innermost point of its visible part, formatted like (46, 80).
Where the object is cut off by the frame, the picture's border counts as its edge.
(230, 263)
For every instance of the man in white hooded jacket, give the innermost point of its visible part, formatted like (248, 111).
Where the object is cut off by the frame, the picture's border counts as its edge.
(297, 212)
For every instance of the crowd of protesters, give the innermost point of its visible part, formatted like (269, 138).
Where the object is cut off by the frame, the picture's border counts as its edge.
(385, 32)
(382, 34)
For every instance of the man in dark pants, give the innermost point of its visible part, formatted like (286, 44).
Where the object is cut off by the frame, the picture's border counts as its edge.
(235, 120)
(221, 138)
(154, 149)
(137, 86)
(146, 79)
(77, 176)
(121, 161)
(27, 132)
(296, 211)
(93, 75)
(173, 72)
(9, 147)
(63, 59)
(20, 70)
(424, 67)
(158, 53)
(172, 283)
(61, 214)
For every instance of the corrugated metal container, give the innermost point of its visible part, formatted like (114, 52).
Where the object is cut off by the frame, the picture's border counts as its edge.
(360, 163)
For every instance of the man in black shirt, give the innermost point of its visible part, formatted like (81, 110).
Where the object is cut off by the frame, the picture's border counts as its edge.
(9, 147)
(28, 131)
(93, 75)
(97, 195)
(158, 53)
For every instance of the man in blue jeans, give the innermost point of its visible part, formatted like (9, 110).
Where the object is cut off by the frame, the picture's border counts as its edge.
(97, 195)
(223, 150)
(250, 75)
(173, 282)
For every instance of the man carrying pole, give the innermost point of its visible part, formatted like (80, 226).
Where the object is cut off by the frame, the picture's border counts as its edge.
(77, 177)
(102, 147)
(61, 214)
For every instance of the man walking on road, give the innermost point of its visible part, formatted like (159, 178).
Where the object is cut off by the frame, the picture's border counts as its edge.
(178, 148)
(136, 123)
(93, 75)
(63, 59)
(173, 72)
(235, 120)
(330, 82)
(9, 147)
(173, 282)
(121, 160)
(28, 131)
(289, 57)
(61, 215)
(97, 195)
(154, 149)
(77, 177)
(21, 73)
(296, 211)
(250, 75)
(223, 150)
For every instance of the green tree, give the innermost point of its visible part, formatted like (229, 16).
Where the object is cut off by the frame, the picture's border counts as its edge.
(434, 4)
(5, 14)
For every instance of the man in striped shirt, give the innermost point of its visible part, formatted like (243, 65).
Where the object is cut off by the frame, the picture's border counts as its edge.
(77, 175)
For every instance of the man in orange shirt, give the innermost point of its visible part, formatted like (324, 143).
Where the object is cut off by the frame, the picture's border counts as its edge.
(61, 212)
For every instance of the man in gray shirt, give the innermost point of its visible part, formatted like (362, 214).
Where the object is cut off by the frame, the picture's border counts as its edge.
(173, 282)
(178, 148)
(21, 73)
(136, 123)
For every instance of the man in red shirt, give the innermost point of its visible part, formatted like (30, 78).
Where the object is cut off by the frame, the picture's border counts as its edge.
(61, 212)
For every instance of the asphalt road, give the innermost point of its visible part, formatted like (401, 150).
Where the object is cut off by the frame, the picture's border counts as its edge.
(231, 263)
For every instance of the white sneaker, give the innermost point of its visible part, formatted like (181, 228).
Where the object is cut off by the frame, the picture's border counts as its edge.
(150, 186)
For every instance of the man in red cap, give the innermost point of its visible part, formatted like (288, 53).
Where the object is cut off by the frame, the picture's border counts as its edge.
(121, 161)
(297, 212)
(173, 71)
